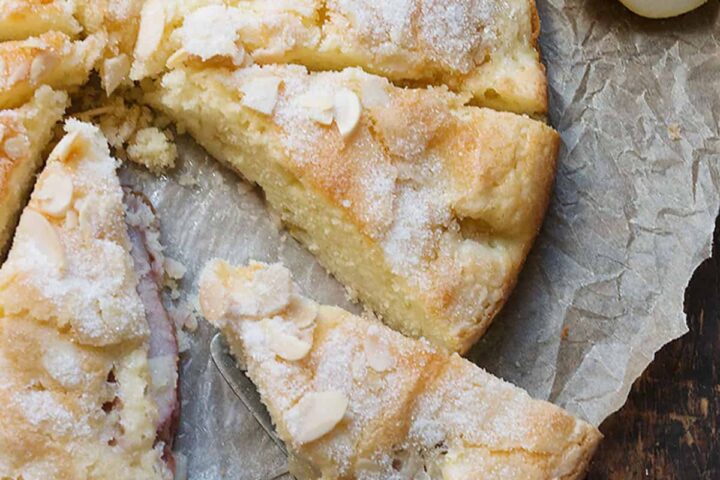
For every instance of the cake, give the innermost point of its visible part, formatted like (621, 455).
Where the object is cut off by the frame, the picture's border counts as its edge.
(425, 208)
(353, 399)
(88, 358)
(485, 48)
(24, 134)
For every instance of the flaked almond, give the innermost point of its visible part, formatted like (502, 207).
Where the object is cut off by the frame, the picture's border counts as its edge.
(177, 59)
(114, 71)
(18, 74)
(40, 231)
(213, 297)
(347, 110)
(16, 147)
(64, 148)
(54, 192)
(377, 353)
(319, 107)
(302, 311)
(266, 294)
(285, 345)
(261, 94)
(316, 415)
(2, 133)
(152, 26)
(41, 64)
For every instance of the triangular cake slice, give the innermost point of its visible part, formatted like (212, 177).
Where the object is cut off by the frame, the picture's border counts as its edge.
(424, 207)
(485, 48)
(353, 399)
(24, 134)
(88, 358)
(52, 58)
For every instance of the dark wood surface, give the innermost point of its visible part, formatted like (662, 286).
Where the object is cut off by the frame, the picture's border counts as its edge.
(670, 426)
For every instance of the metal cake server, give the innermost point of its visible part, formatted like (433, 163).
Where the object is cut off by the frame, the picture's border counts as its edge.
(245, 391)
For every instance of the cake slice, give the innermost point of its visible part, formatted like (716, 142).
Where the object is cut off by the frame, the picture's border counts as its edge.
(485, 48)
(424, 207)
(24, 134)
(52, 58)
(88, 357)
(353, 399)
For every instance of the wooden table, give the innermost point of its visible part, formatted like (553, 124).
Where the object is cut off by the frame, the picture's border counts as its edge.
(670, 426)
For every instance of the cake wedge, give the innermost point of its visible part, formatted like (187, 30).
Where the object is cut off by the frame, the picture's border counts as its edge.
(88, 356)
(24, 135)
(484, 48)
(353, 399)
(425, 208)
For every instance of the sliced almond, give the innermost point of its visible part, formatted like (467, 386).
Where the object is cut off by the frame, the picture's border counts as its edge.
(177, 59)
(316, 415)
(347, 111)
(114, 71)
(261, 94)
(40, 231)
(213, 297)
(18, 74)
(302, 311)
(319, 107)
(2, 133)
(377, 353)
(54, 192)
(266, 294)
(42, 64)
(152, 26)
(16, 147)
(285, 345)
(64, 148)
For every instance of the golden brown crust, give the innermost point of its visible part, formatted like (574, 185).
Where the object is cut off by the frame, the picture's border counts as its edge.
(73, 335)
(441, 200)
(52, 59)
(486, 49)
(402, 407)
(24, 134)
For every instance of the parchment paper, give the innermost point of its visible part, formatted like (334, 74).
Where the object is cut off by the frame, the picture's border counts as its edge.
(638, 105)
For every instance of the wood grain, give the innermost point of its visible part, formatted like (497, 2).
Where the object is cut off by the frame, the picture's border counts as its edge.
(670, 426)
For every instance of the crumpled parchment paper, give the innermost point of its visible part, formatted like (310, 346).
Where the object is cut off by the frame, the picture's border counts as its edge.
(638, 105)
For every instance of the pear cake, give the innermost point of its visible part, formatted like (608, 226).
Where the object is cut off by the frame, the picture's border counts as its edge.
(424, 207)
(485, 48)
(353, 399)
(88, 362)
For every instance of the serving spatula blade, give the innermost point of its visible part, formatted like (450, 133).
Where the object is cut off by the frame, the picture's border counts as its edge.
(245, 390)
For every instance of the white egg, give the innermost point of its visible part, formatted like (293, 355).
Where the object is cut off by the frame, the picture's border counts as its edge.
(662, 8)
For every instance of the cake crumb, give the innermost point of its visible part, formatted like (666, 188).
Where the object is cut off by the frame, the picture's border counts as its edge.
(675, 131)
(152, 148)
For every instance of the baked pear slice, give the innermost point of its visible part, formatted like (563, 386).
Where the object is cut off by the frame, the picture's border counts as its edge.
(24, 134)
(425, 208)
(353, 399)
(86, 362)
(485, 48)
